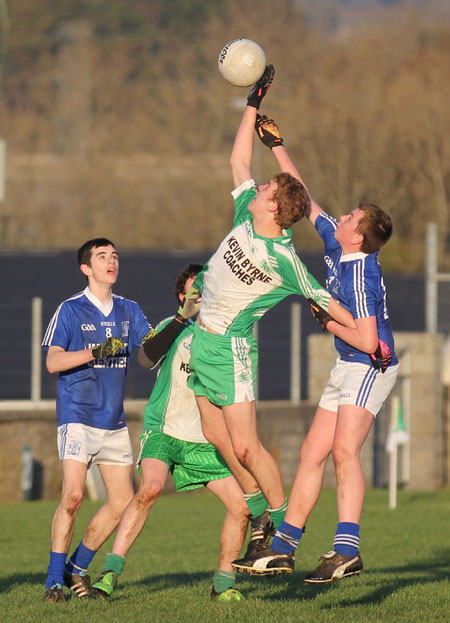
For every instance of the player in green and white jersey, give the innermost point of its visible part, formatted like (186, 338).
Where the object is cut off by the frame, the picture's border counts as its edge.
(172, 440)
(254, 268)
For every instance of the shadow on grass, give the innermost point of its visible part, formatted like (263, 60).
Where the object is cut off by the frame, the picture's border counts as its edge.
(286, 587)
(436, 567)
(19, 579)
(155, 583)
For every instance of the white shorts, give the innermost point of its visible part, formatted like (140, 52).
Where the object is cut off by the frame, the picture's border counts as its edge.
(94, 445)
(353, 383)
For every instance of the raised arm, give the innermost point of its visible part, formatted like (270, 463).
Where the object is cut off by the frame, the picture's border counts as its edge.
(242, 152)
(269, 134)
(156, 343)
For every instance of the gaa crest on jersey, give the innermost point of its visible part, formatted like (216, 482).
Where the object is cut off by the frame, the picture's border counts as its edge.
(88, 327)
(74, 448)
(125, 328)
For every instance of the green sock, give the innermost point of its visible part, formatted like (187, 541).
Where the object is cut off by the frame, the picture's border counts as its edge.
(115, 563)
(256, 502)
(278, 514)
(223, 580)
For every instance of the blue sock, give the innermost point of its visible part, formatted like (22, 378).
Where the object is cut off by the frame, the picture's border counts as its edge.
(346, 539)
(286, 538)
(80, 559)
(55, 569)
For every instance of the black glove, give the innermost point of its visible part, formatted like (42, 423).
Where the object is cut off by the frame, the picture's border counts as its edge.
(322, 316)
(189, 306)
(382, 357)
(268, 131)
(109, 348)
(261, 87)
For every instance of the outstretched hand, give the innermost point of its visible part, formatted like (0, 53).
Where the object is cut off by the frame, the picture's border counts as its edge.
(260, 89)
(268, 131)
(190, 305)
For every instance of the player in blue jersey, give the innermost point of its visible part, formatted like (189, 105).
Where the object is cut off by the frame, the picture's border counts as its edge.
(89, 340)
(365, 373)
(172, 441)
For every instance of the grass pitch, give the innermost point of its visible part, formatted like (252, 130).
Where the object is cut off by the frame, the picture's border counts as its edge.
(168, 573)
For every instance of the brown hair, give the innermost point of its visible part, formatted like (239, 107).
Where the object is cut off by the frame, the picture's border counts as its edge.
(84, 253)
(292, 199)
(375, 226)
(180, 280)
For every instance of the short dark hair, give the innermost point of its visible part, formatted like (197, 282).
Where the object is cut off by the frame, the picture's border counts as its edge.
(180, 280)
(375, 225)
(84, 253)
(292, 199)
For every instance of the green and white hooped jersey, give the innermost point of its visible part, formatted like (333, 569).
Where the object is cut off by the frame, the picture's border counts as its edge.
(249, 274)
(171, 408)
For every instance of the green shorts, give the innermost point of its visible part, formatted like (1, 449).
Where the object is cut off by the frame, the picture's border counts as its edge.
(192, 465)
(223, 368)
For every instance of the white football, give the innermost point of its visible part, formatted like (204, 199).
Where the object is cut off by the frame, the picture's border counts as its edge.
(242, 62)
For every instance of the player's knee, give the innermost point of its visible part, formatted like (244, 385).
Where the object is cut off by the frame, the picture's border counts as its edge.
(247, 455)
(241, 509)
(341, 455)
(123, 502)
(117, 503)
(241, 450)
(243, 455)
(311, 456)
(72, 501)
(237, 506)
(148, 494)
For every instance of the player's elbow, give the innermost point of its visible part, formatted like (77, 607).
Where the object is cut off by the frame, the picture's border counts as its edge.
(369, 345)
(144, 361)
(51, 367)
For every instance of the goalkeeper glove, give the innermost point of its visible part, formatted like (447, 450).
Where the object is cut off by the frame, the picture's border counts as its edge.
(109, 348)
(322, 316)
(268, 131)
(189, 306)
(382, 357)
(261, 87)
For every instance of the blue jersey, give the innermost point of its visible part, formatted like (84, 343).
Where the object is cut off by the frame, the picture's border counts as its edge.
(92, 393)
(356, 281)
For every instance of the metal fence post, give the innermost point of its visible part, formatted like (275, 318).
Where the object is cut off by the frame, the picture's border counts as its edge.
(26, 481)
(2, 169)
(431, 295)
(36, 356)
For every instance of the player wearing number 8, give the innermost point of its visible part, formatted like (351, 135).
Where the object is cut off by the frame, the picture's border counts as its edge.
(89, 340)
